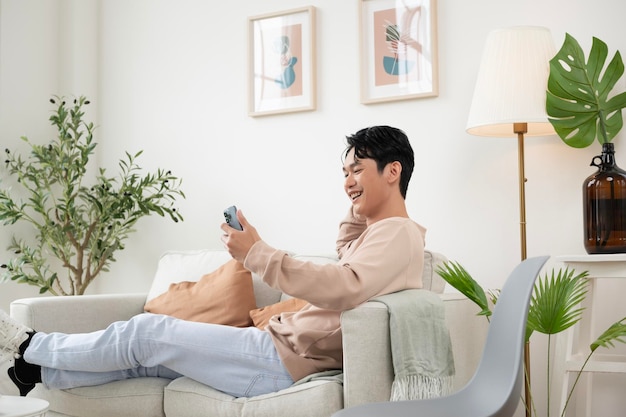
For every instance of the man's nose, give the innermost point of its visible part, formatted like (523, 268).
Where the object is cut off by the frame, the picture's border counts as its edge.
(349, 181)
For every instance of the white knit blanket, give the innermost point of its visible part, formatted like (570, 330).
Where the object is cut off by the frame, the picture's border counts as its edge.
(420, 345)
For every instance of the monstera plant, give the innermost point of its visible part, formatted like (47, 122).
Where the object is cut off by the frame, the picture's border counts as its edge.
(79, 223)
(579, 102)
(555, 306)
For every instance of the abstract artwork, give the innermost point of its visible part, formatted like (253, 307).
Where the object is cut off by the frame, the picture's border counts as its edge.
(282, 62)
(398, 50)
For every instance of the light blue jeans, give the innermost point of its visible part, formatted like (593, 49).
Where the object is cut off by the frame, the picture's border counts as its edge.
(242, 362)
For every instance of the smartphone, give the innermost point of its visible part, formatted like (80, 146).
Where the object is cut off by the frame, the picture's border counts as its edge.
(230, 214)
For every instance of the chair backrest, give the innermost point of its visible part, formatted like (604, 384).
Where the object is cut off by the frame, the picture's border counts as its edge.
(498, 378)
(495, 388)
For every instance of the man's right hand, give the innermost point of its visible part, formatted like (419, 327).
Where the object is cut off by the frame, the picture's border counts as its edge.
(238, 243)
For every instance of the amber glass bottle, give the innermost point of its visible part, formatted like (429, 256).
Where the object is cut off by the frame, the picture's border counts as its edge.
(604, 205)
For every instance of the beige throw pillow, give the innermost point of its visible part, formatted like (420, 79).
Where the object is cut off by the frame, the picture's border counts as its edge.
(224, 296)
(261, 316)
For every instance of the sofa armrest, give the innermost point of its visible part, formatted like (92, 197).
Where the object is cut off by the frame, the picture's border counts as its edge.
(368, 367)
(76, 314)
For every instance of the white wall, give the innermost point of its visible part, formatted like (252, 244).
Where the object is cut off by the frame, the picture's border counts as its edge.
(169, 77)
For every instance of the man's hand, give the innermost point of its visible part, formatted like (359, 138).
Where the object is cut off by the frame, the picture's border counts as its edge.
(238, 243)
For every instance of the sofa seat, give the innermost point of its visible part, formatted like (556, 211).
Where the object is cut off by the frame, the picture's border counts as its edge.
(128, 398)
(185, 397)
(367, 371)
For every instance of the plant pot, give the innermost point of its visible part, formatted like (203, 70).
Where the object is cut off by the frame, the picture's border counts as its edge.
(604, 205)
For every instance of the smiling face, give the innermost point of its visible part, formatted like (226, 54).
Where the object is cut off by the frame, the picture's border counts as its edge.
(367, 188)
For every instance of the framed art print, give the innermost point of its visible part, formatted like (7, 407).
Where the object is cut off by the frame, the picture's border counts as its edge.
(281, 63)
(398, 50)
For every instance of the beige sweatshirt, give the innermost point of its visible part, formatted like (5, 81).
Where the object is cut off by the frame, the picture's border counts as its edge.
(385, 257)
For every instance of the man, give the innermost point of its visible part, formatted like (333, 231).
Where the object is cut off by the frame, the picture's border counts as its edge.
(381, 251)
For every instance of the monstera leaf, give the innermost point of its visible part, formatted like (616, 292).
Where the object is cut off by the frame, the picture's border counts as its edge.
(578, 103)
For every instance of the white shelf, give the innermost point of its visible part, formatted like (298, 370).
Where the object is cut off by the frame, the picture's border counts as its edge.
(572, 346)
(598, 363)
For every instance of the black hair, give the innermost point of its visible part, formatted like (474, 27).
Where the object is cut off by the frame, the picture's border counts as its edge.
(384, 144)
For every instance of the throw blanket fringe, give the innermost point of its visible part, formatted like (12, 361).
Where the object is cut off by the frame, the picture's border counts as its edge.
(421, 348)
(412, 387)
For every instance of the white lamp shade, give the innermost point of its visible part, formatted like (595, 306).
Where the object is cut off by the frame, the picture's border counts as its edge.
(512, 82)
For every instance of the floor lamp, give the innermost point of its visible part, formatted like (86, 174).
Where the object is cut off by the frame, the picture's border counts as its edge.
(509, 100)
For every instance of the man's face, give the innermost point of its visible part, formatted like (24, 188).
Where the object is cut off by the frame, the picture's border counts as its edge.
(364, 185)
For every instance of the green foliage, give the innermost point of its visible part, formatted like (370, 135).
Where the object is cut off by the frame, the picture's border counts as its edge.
(615, 333)
(459, 278)
(577, 102)
(554, 307)
(555, 303)
(79, 224)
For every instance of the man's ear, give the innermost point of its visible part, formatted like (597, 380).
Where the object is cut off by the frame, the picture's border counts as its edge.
(394, 170)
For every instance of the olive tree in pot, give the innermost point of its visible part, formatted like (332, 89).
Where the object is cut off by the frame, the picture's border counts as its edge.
(79, 224)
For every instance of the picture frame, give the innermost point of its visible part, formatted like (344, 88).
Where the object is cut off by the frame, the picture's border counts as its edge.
(398, 50)
(282, 62)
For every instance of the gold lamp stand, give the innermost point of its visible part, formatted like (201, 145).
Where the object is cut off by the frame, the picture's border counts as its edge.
(520, 129)
(510, 87)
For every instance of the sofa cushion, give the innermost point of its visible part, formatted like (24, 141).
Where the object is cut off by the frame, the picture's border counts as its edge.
(431, 279)
(127, 398)
(224, 296)
(185, 397)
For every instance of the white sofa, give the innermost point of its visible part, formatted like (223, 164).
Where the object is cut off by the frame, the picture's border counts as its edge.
(367, 373)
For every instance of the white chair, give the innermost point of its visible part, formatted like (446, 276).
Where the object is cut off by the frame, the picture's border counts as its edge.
(495, 388)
